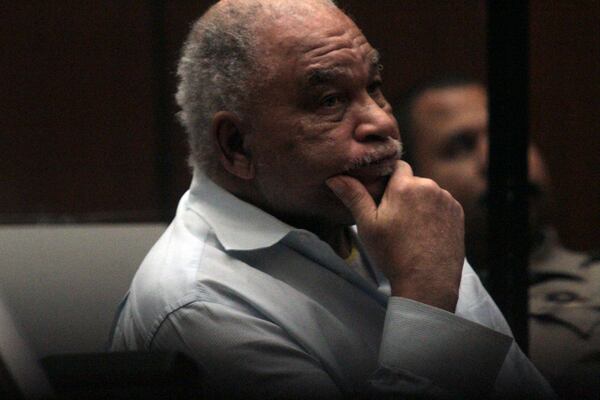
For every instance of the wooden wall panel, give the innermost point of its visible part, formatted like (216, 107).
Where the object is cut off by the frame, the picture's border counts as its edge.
(420, 39)
(78, 125)
(565, 111)
(88, 125)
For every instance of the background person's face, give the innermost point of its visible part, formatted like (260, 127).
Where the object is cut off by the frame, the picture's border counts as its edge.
(322, 110)
(451, 147)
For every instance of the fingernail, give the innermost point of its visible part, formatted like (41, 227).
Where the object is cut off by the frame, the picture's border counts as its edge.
(334, 185)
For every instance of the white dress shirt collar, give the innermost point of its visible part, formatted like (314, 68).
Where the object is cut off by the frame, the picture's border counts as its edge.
(237, 224)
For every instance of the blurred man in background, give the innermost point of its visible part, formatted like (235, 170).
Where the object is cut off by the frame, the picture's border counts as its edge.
(444, 127)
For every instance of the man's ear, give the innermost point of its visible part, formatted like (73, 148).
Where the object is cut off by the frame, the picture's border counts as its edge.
(227, 131)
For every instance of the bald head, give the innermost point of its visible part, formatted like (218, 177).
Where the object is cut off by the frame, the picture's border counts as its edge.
(221, 65)
(271, 9)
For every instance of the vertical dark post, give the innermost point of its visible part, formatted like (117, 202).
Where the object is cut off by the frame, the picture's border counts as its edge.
(508, 41)
(164, 161)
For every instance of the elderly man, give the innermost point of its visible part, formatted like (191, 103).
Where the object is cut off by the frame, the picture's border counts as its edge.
(444, 124)
(260, 276)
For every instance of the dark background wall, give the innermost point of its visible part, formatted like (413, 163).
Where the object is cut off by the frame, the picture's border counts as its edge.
(88, 133)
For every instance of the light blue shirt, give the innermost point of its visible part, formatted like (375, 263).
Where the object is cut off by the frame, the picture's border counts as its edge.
(271, 311)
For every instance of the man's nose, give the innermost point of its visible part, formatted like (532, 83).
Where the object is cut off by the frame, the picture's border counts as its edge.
(375, 122)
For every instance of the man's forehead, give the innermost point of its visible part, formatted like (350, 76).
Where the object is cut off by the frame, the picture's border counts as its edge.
(314, 49)
(334, 56)
(312, 35)
(321, 74)
(441, 113)
(446, 102)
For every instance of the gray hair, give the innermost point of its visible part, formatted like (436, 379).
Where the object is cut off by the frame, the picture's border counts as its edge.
(214, 73)
(218, 66)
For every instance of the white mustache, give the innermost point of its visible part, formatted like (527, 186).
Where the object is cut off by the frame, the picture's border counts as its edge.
(392, 148)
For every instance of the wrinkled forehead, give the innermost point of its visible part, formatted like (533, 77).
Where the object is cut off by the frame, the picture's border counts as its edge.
(326, 39)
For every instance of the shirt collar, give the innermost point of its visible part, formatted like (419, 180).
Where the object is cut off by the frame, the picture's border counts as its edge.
(237, 224)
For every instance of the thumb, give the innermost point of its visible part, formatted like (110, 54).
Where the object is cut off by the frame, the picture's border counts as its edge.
(354, 196)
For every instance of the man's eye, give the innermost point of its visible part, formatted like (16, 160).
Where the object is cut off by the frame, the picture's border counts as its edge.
(460, 145)
(331, 100)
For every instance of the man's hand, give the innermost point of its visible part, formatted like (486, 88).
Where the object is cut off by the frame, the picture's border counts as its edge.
(415, 235)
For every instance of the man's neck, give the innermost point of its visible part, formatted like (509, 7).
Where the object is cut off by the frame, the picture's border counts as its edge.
(339, 239)
(337, 236)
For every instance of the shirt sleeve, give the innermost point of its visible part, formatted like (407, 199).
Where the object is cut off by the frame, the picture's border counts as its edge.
(449, 356)
(518, 378)
(243, 355)
(425, 353)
